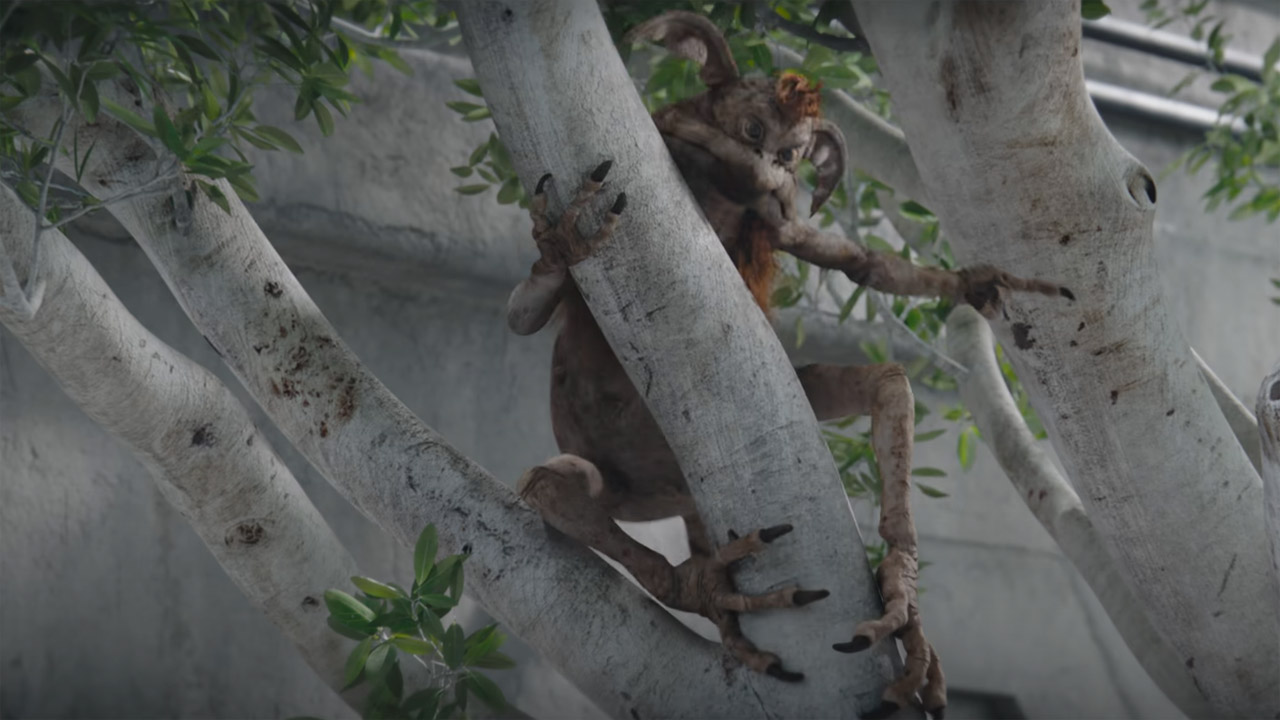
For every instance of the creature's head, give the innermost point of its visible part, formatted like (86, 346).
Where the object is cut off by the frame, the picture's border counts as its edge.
(754, 129)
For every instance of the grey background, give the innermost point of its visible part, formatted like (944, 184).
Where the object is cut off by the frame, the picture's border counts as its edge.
(111, 607)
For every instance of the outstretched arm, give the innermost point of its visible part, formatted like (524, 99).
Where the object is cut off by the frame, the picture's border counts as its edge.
(980, 286)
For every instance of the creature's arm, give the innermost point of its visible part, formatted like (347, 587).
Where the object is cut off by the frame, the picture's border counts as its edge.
(561, 246)
(536, 297)
(979, 286)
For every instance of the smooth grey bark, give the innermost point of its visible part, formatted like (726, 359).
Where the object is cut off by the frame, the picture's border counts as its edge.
(1268, 409)
(1243, 424)
(683, 325)
(591, 624)
(1024, 175)
(195, 438)
(1057, 506)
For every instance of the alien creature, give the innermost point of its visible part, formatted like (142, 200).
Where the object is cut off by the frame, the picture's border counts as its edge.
(738, 145)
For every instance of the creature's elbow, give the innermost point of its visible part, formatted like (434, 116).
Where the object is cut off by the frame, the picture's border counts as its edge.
(523, 321)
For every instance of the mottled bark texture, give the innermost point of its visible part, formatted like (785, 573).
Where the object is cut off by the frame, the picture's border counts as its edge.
(1023, 174)
(1057, 506)
(195, 438)
(587, 621)
(684, 328)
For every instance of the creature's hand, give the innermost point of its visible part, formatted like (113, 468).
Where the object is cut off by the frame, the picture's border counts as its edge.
(985, 288)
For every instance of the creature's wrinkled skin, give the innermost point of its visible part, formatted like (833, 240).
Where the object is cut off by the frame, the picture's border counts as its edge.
(737, 145)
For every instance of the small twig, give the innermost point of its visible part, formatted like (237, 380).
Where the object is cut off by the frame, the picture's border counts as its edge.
(141, 190)
(773, 21)
(894, 320)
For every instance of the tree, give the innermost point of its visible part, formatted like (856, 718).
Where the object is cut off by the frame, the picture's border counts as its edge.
(961, 132)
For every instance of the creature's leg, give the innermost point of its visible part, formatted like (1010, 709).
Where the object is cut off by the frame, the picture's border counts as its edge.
(573, 497)
(562, 246)
(883, 392)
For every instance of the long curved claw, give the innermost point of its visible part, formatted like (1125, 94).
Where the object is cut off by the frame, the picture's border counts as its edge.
(776, 670)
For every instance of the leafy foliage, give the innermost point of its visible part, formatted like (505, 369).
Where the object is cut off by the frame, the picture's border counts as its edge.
(390, 623)
(183, 75)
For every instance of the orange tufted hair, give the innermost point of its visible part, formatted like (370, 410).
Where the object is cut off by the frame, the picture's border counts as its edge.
(753, 256)
(797, 97)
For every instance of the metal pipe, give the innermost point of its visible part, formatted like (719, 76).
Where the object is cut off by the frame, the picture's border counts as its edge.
(1113, 98)
(1171, 46)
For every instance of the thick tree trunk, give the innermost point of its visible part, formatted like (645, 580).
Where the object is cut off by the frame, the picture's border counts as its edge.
(685, 328)
(591, 624)
(1057, 506)
(1024, 175)
(200, 445)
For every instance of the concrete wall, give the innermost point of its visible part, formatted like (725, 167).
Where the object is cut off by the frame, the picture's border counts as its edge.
(112, 608)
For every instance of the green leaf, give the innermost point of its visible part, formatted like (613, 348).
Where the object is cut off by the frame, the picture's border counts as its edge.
(477, 115)
(413, 645)
(19, 61)
(928, 472)
(275, 49)
(454, 646)
(494, 661)
(931, 491)
(348, 631)
(279, 137)
(927, 436)
(486, 690)
(472, 189)
(167, 131)
(1094, 9)
(324, 119)
(198, 46)
(470, 85)
(424, 553)
(444, 602)
(509, 192)
(462, 108)
(379, 659)
(478, 154)
(964, 449)
(346, 608)
(129, 117)
(481, 643)
(430, 625)
(424, 702)
(373, 588)
(356, 662)
(461, 171)
(216, 195)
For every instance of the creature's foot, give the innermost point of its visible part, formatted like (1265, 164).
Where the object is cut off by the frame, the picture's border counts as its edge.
(922, 671)
(985, 287)
(560, 243)
(704, 585)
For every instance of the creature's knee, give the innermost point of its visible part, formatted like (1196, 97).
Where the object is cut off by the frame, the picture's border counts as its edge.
(893, 382)
(561, 475)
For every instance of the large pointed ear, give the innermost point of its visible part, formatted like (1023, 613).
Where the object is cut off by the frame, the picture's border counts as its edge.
(827, 153)
(693, 37)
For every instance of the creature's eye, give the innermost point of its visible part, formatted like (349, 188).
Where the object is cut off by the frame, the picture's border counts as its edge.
(753, 130)
(786, 155)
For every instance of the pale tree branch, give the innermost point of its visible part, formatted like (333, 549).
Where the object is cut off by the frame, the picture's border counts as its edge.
(1268, 408)
(1242, 422)
(195, 438)
(1057, 506)
(1024, 175)
(684, 327)
(396, 470)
